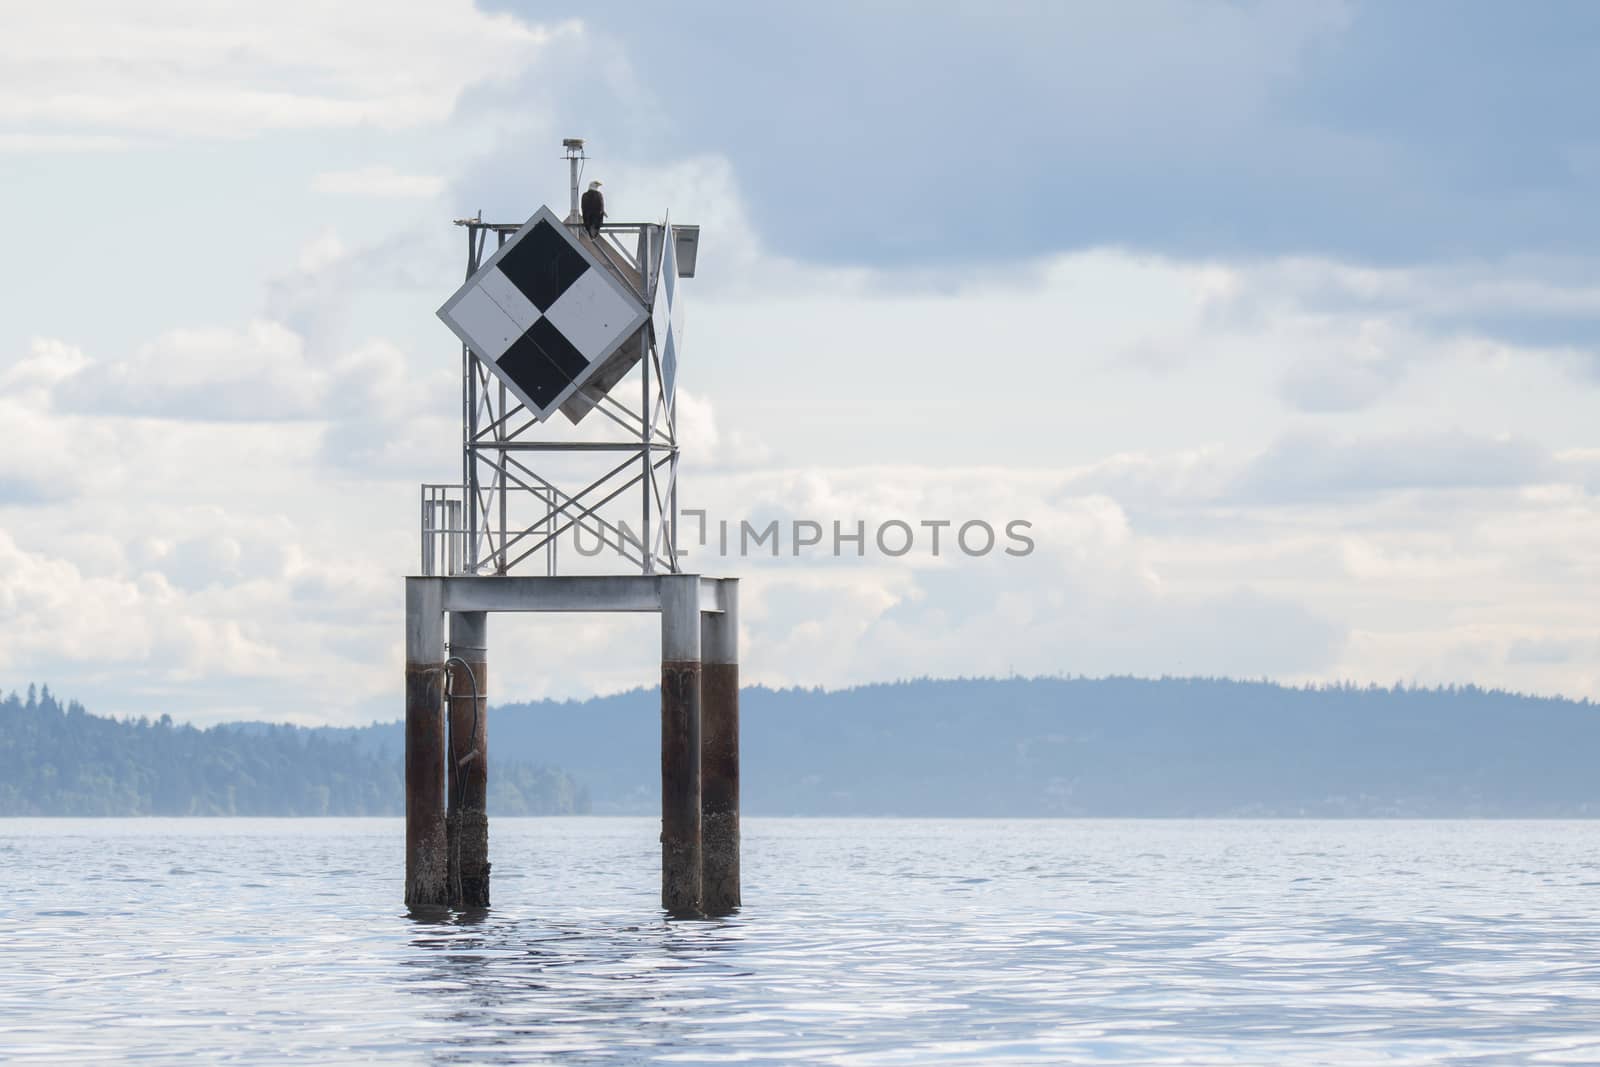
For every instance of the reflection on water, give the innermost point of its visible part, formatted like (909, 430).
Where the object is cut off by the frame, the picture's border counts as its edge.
(862, 942)
(544, 990)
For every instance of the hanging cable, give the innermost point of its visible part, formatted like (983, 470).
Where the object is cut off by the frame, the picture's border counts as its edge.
(472, 738)
(459, 763)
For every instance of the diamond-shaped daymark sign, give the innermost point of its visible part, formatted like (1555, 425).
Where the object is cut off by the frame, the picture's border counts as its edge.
(666, 314)
(543, 313)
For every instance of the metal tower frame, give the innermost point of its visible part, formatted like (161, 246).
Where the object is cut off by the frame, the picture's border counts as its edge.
(507, 515)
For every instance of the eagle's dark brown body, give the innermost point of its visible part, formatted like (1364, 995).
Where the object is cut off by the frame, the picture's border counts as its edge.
(594, 211)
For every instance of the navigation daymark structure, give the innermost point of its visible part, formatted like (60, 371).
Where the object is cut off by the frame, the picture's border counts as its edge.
(555, 324)
(544, 311)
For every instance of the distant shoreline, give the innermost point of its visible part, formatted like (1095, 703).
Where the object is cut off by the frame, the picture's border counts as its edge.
(1015, 748)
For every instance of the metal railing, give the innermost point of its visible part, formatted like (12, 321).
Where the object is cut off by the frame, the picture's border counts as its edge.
(444, 533)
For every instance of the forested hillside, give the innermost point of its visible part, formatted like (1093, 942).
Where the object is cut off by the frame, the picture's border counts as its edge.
(1044, 746)
(1098, 746)
(58, 759)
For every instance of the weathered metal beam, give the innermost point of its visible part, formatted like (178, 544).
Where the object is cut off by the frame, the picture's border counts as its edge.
(505, 445)
(719, 754)
(579, 592)
(507, 228)
(427, 867)
(680, 745)
(469, 760)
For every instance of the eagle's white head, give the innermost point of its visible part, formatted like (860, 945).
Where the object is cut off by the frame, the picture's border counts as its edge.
(594, 185)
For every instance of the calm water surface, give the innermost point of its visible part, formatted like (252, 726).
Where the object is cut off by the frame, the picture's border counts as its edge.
(862, 942)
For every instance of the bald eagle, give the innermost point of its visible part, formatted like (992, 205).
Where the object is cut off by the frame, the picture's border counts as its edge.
(594, 209)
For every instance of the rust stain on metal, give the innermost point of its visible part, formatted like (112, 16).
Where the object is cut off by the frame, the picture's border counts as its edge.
(680, 787)
(469, 788)
(427, 864)
(719, 787)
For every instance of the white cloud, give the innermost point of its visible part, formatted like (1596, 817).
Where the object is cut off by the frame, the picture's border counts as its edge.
(229, 68)
(45, 143)
(44, 460)
(379, 181)
(1315, 467)
(259, 371)
(47, 364)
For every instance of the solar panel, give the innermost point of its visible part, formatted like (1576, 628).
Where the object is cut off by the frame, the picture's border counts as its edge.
(666, 314)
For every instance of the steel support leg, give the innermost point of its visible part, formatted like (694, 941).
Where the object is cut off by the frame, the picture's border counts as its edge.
(427, 868)
(469, 760)
(719, 754)
(680, 744)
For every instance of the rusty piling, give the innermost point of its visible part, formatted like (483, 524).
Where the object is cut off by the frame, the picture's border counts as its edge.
(427, 867)
(468, 777)
(680, 745)
(719, 754)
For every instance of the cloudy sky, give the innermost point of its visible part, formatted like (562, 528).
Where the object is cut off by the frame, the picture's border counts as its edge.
(1280, 323)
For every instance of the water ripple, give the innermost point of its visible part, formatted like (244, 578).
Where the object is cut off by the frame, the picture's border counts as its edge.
(864, 942)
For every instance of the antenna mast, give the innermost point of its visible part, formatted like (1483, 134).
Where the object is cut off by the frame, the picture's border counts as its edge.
(575, 158)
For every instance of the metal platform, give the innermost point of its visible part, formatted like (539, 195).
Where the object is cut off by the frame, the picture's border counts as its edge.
(447, 830)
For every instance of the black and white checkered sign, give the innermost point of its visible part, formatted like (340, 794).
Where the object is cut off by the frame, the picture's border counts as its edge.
(543, 313)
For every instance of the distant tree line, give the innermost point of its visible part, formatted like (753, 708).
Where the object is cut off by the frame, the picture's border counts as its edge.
(924, 747)
(1154, 747)
(57, 759)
